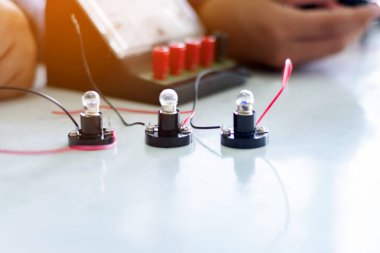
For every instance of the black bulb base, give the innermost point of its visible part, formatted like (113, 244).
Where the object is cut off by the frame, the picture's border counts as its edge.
(244, 134)
(92, 132)
(181, 139)
(232, 140)
(168, 133)
(78, 138)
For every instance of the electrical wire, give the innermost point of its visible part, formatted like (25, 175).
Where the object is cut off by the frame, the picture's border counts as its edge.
(280, 182)
(287, 71)
(90, 77)
(54, 101)
(286, 202)
(39, 152)
(196, 95)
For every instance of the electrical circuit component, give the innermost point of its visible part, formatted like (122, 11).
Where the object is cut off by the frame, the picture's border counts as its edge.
(168, 100)
(91, 78)
(161, 62)
(91, 103)
(177, 58)
(193, 53)
(221, 46)
(122, 55)
(168, 133)
(91, 135)
(244, 134)
(245, 102)
(208, 51)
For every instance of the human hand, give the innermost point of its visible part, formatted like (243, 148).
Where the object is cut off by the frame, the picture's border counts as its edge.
(18, 50)
(269, 31)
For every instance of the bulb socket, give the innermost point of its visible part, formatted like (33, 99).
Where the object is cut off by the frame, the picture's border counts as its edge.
(168, 133)
(92, 125)
(168, 124)
(244, 134)
(92, 132)
(244, 125)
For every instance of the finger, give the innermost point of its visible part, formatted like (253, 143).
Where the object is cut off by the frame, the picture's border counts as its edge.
(10, 65)
(5, 45)
(326, 23)
(14, 73)
(310, 50)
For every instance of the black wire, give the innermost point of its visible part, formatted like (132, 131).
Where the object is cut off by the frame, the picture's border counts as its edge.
(44, 96)
(90, 77)
(196, 95)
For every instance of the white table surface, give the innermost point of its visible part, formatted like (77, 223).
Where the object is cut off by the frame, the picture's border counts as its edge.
(315, 188)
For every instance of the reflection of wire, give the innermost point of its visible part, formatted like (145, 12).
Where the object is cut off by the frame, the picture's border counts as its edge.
(206, 147)
(287, 206)
(43, 96)
(282, 186)
(90, 77)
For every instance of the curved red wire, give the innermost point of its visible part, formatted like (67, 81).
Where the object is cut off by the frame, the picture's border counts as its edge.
(188, 119)
(37, 152)
(58, 150)
(288, 67)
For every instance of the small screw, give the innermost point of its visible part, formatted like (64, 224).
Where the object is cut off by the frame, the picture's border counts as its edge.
(150, 127)
(186, 130)
(108, 131)
(262, 130)
(226, 131)
(74, 133)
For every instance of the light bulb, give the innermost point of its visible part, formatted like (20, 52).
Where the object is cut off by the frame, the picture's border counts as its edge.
(91, 102)
(245, 102)
(168, 101)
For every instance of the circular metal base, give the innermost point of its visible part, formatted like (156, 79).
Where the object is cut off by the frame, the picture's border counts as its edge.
(181, 139)
(255, 141)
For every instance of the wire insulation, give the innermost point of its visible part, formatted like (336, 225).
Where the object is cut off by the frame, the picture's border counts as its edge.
(37, 152)
(197, 83)
(288, 67)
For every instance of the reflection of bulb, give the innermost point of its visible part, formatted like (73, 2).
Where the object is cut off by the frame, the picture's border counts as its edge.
(168, 101)
(91, 102)
(245, 102)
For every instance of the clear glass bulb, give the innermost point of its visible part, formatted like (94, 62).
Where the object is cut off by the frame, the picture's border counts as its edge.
(245, 102)
(168, 101)
(91, 102)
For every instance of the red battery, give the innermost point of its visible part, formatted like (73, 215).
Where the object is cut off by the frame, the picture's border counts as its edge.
(193, 51)
(177, 58)
(160, 62)
(208, 51)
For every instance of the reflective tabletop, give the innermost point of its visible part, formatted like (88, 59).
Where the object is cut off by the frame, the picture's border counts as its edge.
(312, 189)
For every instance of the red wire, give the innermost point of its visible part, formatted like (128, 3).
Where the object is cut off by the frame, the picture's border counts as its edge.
(58, 150)
(120, 109)
(288, 67)
(187, 119)
(37, 152)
